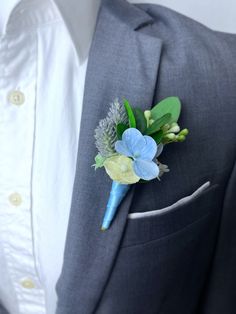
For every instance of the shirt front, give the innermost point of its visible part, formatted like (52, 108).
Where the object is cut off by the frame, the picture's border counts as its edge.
(41, 95)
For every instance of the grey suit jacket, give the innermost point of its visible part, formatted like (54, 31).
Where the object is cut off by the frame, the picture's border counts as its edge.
(178, 261)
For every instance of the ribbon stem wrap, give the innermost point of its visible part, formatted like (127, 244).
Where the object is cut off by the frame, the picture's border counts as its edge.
(117, 193)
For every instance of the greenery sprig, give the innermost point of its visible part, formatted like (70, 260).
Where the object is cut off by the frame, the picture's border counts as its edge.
(161, 123)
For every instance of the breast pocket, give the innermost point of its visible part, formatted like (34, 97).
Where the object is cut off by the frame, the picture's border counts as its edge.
(147, 226)
(165, 257)
(174, 206)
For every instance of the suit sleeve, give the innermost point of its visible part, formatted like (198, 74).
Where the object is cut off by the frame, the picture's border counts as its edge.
(220, 292)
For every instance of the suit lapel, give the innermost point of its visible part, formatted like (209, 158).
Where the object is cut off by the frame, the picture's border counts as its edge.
(123, 62)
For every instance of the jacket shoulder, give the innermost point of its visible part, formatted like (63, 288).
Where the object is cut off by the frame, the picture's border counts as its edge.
(192, 51)
(198, 65)
(169, 20)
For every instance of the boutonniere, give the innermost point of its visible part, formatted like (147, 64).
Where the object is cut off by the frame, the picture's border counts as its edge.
(129, 143)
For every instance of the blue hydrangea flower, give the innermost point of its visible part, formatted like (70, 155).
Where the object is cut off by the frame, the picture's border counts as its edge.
(142, 149)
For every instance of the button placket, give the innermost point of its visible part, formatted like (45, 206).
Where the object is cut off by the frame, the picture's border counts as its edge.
(18, 135)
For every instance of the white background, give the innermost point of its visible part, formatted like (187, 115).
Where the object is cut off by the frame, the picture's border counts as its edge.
(217, 14)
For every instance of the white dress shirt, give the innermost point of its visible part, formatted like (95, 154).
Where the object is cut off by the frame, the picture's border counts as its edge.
(42, 75)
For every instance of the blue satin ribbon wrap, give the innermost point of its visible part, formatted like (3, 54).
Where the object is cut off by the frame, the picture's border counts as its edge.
(117, 193)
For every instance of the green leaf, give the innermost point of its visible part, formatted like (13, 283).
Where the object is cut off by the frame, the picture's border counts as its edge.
(158, 136)
(156, 125)
(120, 128)
(170, 105)
(141, 122)
(143, 181)
(99, 159)
(132, 122)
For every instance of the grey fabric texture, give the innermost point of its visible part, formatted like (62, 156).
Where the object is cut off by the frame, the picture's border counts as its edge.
(182, 262)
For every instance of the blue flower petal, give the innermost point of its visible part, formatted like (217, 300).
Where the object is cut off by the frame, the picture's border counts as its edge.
(134, 141)
(149, 150)
(122, 148)
(146, 170)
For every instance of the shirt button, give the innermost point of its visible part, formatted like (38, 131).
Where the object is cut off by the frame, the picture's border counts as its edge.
(16, 98)
(28, 284)
(15, 199)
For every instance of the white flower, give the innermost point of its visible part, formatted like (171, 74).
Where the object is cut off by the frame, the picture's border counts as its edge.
(163, 168)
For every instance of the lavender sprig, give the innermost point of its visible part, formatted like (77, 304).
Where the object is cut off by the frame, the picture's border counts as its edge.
(105, 133)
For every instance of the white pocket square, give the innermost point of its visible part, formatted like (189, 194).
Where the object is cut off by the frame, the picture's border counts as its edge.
(160, 211)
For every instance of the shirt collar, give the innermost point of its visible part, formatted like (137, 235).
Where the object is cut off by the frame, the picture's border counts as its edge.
(79, 16)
